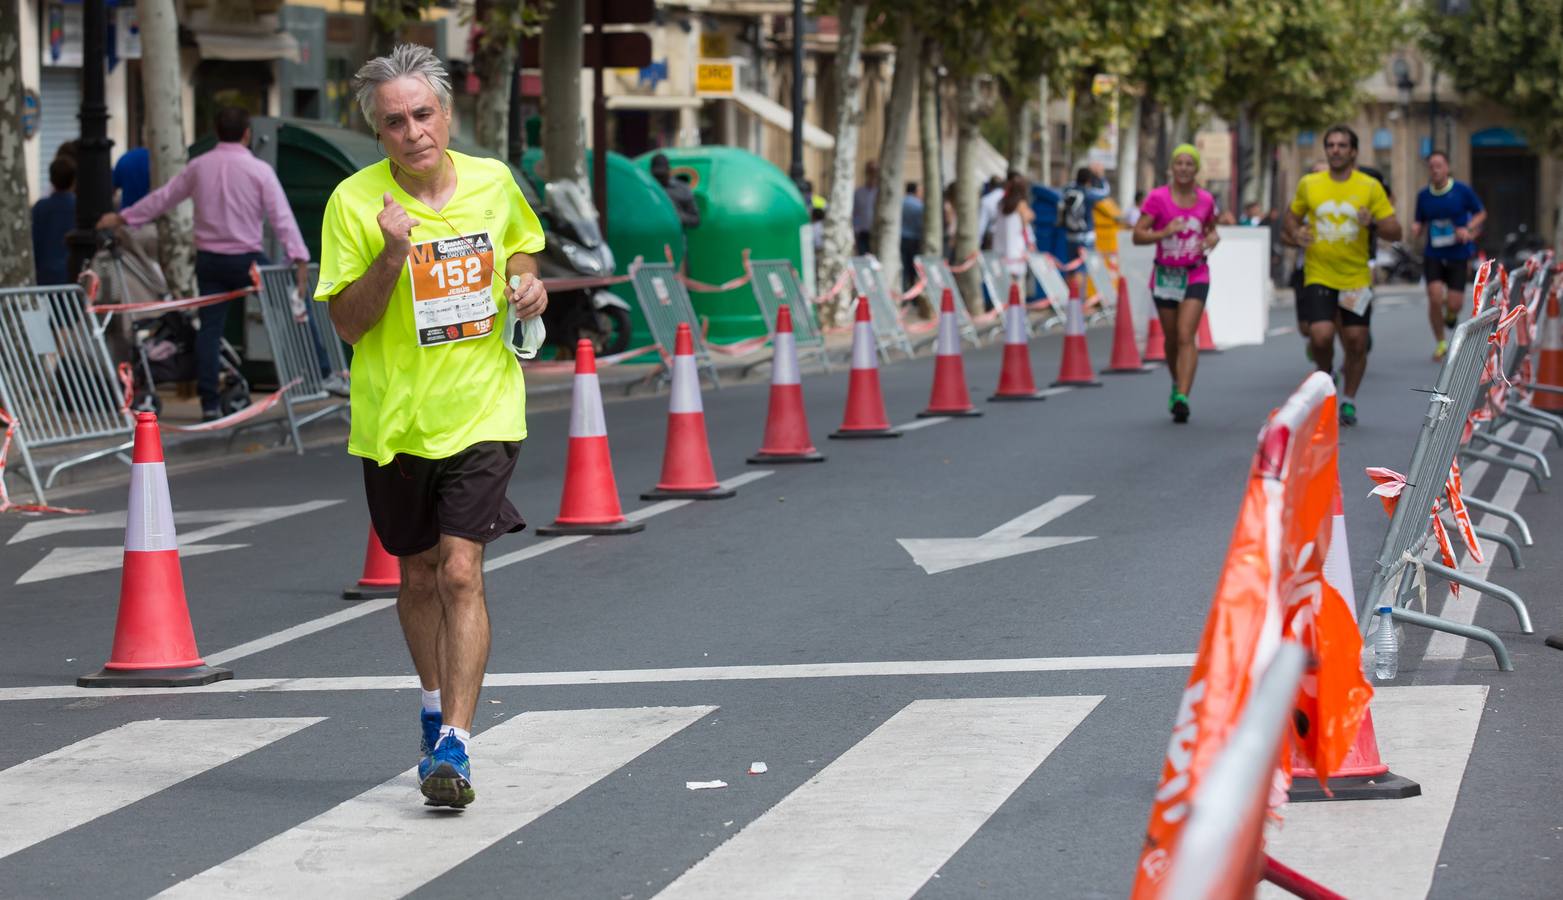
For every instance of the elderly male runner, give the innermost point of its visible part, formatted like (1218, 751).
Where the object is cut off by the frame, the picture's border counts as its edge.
(416, 253)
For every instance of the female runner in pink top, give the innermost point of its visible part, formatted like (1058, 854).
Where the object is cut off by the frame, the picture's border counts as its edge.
(1180, 219)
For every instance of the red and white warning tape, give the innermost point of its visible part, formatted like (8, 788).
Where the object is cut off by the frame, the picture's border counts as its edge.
(36, 509)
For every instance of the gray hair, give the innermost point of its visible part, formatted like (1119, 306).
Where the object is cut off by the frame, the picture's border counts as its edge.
(404, 61)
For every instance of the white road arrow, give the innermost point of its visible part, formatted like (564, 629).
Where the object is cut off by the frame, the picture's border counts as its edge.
(937, 555)
(63, 561)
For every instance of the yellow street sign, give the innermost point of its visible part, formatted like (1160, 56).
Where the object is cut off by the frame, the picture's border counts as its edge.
(716, 79)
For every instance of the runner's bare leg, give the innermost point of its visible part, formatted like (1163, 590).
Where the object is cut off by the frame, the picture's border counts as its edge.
(418, 608)
(1435, 308)
(1354, 338)
(1321, 336)
(1188, 313)
(1169, 333)
(464, 636)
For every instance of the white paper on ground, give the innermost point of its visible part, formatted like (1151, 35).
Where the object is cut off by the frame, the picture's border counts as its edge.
(704, 785)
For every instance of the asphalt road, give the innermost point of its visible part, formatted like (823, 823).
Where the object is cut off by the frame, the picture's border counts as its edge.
(991, 731)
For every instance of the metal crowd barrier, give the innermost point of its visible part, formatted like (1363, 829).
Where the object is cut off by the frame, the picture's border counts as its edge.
(1102, 280)
(665, 303)
(1496, 402)
(57, 381)
(775, 283)
(996, 279)
(307, 352)
(937, 273)
(1045, 270)
(1398, 567)
(868, 280)
(1224, 831)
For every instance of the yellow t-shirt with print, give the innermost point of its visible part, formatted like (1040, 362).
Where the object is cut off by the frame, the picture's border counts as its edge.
(433, 376)
(1338, 256)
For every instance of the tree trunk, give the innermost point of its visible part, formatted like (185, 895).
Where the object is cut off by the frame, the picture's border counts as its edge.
(16, 233)
(886, 237)
(1018, 110)
(564, 151)
(494, 61)
(1045, 126)
(160, 95)
(1129, 154)
(931, 141)
(838, 243)
(970, 111)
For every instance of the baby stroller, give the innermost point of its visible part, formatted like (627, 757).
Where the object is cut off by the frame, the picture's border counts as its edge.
(160, 349)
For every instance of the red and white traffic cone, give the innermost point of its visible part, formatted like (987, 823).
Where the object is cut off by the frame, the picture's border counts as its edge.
(1155, 340)
(1015, 381)
(865, 414)
(949, 396)
(1207, 344)
(1549, 366)
(786, 424)
(590, 501)
(687, 473)
(1362, 775)
(1126, 356)
(382, 578)
(1074, 368)
(154, 642)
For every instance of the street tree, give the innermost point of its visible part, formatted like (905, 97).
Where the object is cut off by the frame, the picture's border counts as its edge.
(931, 142)
(161, 93)
(497, 29)
(838, 243)
(16, 235)
(1510, 54)
(563, 50)
(885, 237)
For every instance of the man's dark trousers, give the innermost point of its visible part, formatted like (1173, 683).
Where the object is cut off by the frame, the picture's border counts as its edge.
(217, 273)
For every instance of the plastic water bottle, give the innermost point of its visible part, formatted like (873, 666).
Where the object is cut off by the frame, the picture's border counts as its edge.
(1386, 646)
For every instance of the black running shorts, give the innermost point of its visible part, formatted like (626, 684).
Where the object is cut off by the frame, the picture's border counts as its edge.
(412, 501)
(1317, 303)
(1200, 292)
(1451, 272)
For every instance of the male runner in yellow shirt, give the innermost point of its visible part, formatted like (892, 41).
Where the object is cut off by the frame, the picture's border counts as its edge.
(416, 251)
(1340, 205)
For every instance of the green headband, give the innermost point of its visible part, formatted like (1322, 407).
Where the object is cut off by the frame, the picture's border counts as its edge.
(1189, 149)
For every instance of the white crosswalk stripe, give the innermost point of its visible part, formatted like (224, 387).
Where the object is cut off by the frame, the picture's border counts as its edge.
(382, 843)
(53, 793)
(880, 820)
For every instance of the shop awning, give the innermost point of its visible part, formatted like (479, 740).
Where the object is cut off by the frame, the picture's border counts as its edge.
(778, 116)
(248, 47)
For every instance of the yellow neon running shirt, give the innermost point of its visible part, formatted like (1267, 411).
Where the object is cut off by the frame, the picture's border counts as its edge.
(1338, 256)
(434, 382)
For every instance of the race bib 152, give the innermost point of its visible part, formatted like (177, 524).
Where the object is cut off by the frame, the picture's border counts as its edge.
(452, 288)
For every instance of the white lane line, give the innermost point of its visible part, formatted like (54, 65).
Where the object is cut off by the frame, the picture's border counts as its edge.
(384, 843)
(1424, 733)
(1055, 391)
(51, 794)
(1279, 330)
(898, 668)
(1451, 646)
(359, 610)
(922, 423)
(878, 822)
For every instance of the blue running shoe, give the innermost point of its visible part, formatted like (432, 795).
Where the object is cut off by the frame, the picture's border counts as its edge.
(447, 778)
(430, 722)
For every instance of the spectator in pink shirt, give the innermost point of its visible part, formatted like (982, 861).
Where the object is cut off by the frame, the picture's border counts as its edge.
(234, 194)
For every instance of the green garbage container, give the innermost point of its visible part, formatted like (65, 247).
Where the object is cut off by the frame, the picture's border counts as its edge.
(746, 203)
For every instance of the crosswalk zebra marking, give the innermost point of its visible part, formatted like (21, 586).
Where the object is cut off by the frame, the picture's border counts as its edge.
(51, 794)
(382, 843)
(878, 822)
(1388, 849)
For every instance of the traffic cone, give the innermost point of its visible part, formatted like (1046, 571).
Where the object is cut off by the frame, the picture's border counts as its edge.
(154, 643)
(687, 473)
(1207, 344)
(865, 414)
(1549, 368)
(1075, 366)
(949, 396)
(382, 578)
(1155, 340)
(1015, 381)
(1362, 774)
(1126, 356)
(786, 425)
(590, 501)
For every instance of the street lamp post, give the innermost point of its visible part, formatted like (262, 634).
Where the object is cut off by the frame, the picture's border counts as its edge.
(94, 181)
(796, 171)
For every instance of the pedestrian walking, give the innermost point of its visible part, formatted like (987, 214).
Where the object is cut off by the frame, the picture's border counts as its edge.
(52, 219)
(1013, 240)
(1341, 205)
(1180, 219)
(912, 210)
(416, 251)
(863, 200)
(235, 194)
(1451, 215)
